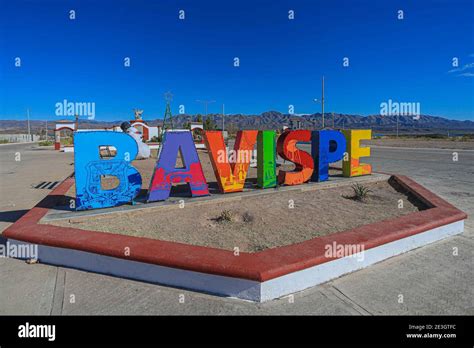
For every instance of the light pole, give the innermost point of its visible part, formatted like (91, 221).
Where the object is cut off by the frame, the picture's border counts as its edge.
(223, 117)
(322, 98)
(28, 118)
(206, 103)
(321, 101)
(397, 125)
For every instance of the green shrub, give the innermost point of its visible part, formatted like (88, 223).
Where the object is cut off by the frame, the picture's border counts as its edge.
(225, 216)
(66, 141)
(155, 139)
(361, 192)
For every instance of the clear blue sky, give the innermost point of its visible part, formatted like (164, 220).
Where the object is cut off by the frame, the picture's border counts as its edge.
(281, 60)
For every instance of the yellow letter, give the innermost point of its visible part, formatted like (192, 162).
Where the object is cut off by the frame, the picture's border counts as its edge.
(350, 164)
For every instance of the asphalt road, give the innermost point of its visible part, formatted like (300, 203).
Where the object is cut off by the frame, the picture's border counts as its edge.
(434, 279)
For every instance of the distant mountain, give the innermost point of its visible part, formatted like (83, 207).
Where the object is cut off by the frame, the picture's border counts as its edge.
(276, 120)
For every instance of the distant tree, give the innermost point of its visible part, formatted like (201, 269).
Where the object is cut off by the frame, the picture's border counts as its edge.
(209, 124)
(155, 139)
(187, 125)
(199, 118)
(231, 129)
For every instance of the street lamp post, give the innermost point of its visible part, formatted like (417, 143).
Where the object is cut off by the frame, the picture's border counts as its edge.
(206, 103)
(223, 117)
(321, 101)
(397, 125)
(29, 129)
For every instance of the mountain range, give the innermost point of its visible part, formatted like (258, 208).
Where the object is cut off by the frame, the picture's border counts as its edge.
(277, 120)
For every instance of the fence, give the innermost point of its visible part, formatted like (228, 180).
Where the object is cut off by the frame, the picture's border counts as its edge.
(19, 138)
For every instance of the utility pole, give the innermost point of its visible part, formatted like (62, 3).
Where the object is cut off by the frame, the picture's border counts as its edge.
(168, 118)
(206, 103)
(77, 122)
(28, 118)
(223, 117)
(397, 125)
(76, 127)
(322, 100)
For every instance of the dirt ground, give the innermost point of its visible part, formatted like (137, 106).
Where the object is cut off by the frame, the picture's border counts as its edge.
(423, 143)
(257, 222)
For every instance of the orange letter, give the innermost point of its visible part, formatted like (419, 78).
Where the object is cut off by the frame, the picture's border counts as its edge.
(230, 176)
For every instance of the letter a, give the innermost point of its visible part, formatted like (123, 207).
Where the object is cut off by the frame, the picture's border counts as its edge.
(166, 174)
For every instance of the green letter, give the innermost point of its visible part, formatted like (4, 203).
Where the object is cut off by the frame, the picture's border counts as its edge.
(266, 159)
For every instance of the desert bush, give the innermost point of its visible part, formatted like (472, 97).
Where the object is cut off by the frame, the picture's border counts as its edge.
(247, 217)
(361, 192)
(225, 216)
(66, 141)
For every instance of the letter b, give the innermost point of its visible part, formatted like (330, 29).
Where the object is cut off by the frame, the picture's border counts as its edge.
(90, 168)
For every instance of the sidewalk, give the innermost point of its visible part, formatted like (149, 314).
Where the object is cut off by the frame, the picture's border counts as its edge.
(430, 280)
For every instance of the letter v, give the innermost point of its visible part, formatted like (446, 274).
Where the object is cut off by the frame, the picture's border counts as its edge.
(230, 176)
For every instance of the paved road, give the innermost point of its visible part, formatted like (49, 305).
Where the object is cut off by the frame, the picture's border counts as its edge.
(430, 280)
(24, 167)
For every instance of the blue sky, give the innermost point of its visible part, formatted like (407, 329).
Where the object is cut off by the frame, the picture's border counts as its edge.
(281, 60)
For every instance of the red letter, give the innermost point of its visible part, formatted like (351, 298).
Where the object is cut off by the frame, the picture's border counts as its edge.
(286, 147)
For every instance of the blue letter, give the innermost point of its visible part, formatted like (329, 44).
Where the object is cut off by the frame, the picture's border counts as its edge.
(165, 172)
(327, 146)
(90, 167)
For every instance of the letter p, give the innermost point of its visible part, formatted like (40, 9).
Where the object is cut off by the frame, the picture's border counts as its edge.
(327, 146)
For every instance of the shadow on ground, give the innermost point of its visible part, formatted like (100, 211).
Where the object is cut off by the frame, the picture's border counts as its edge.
(12, 216)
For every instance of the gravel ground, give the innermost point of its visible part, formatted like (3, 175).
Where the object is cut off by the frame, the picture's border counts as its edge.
(259, 222)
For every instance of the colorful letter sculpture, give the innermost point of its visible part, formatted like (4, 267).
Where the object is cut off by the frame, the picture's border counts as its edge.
(351, 165)
(266, 159)
(327, 146)
(230, 167)
(230, 176)
(166, 173)
(286, 147)
(90, 168)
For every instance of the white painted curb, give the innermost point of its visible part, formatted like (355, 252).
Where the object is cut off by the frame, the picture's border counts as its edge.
(238, 287)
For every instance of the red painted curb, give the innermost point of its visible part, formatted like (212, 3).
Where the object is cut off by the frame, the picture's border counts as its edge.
(260, 266)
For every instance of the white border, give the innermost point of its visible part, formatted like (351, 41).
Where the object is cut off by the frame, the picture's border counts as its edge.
(300, 280)
(237, 287)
